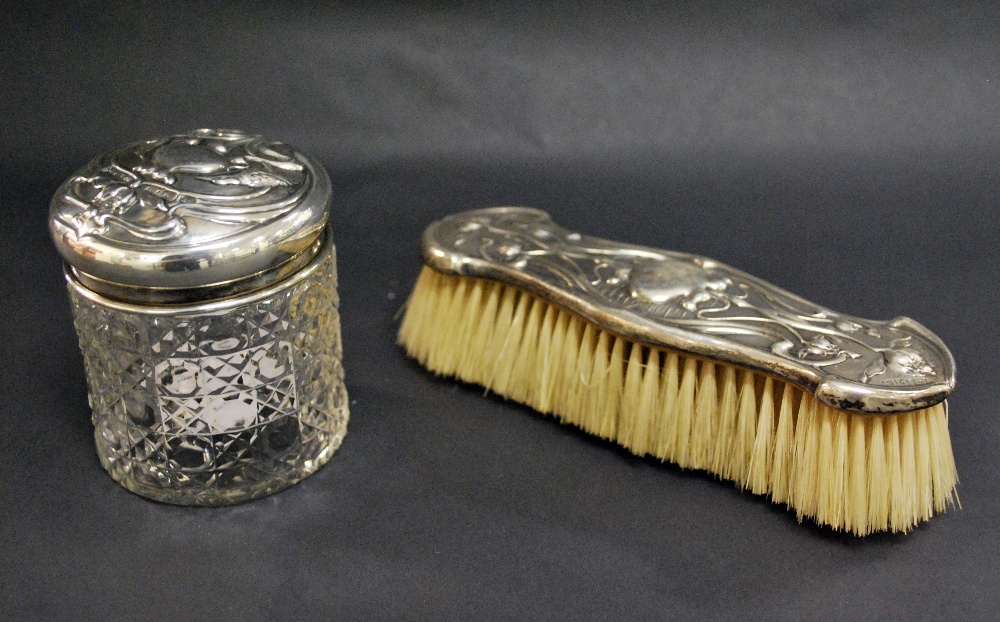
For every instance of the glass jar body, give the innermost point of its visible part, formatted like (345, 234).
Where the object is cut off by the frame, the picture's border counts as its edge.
(221, 402)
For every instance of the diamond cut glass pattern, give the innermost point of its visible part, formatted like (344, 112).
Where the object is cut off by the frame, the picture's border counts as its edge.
(221, 407)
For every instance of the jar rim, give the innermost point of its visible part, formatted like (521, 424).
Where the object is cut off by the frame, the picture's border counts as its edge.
(198, 304)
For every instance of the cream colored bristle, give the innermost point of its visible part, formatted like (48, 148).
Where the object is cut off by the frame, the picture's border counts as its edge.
(466, 329)
(726, 429)
(478, 351)
(806, 496)
(706, 415)
(648, 403)
(925, 493)
(878, 475)
(943, 473)
(611, 389)
(834, 473)
(825, 488)
(642, 382)
(759, 474)
(437, 356)
(741, 447)
(514, 309)
(580, 393)
(664, 414)
(523, 387)
(894, 466)
(595, 400)
(856, 499)
(575, 363)
(683, 414)
(784, 447)
(550, 338)
(856, 472)
(908, 484)
(628, 436)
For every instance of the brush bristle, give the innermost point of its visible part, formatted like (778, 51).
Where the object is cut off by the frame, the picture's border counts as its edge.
(855, 472)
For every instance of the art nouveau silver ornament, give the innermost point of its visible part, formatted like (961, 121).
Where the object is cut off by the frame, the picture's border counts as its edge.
(202, 276)
(699, 306)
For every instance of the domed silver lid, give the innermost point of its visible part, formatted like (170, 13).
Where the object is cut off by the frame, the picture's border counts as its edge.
(202, 215)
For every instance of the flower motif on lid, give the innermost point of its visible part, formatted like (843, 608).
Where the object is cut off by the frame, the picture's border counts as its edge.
(150, 190)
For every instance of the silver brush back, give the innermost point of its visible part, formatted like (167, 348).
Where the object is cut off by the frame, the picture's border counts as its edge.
(699, 306)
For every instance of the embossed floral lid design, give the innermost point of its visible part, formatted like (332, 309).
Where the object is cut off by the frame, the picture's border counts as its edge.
(188, 216)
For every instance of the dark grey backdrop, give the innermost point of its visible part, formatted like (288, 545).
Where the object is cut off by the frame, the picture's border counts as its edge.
(847, 152)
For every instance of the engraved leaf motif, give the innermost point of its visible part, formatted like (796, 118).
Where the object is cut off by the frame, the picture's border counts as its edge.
(848, 326)
(254, 179)
(509, 252)
(111, 196)
(819, 345)
(154, 173)
(694, 301)
(876, 368)
(115, 199)
(908, 361)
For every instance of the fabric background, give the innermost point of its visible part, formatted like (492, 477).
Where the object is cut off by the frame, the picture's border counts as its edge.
(847, 152)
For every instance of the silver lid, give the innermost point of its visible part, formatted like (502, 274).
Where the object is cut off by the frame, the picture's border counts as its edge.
(207, 214)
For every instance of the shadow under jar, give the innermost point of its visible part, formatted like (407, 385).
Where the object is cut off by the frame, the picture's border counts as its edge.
(202, 277)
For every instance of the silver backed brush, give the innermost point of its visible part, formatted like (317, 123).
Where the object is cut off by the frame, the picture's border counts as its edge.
(699, 306)
(687, 360)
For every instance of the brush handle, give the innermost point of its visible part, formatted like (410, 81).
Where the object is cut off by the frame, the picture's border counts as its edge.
(699, 306)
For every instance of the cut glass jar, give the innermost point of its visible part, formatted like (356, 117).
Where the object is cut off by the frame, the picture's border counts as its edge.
(202, 277)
